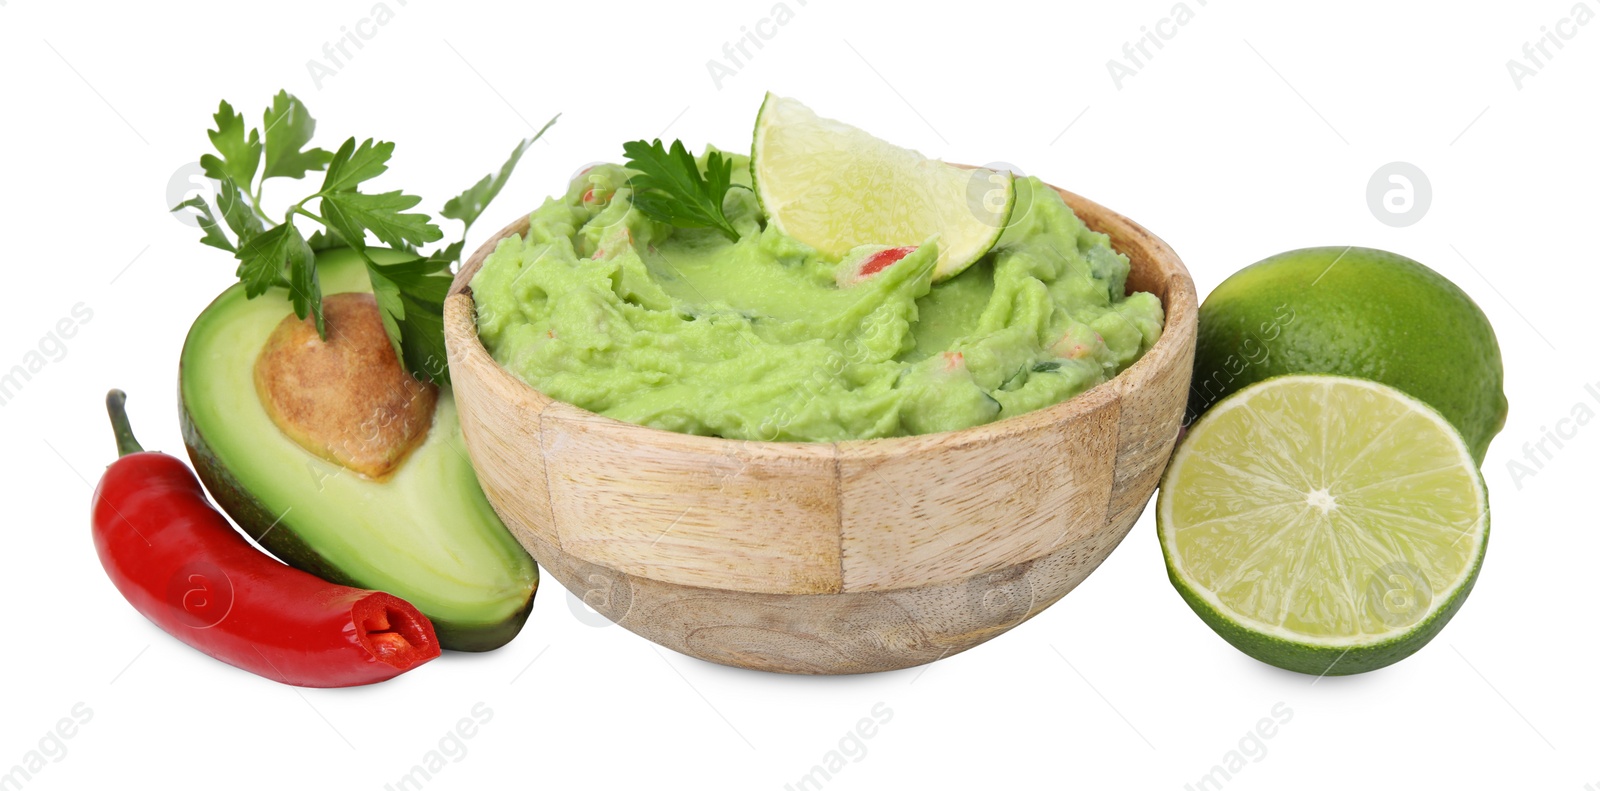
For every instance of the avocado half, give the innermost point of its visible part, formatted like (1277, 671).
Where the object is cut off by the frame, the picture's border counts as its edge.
(425, 534)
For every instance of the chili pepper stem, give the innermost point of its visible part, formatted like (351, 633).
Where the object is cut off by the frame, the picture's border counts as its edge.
(116, 401)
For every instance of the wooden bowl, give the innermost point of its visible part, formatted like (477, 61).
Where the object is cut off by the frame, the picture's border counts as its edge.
(845, 557)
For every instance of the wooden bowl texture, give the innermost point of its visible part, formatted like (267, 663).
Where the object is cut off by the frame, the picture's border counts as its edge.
(826, 558)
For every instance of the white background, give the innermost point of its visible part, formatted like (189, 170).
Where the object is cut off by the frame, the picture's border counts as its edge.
(1254, 130)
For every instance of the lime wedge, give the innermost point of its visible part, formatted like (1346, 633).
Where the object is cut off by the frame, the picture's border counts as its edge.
(835, 187)
(1323, 524)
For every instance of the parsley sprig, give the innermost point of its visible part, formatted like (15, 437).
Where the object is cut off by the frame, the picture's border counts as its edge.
(271, 255)
(669, 187)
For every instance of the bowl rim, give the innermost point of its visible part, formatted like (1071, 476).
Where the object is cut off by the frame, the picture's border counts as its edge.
(1180, 306)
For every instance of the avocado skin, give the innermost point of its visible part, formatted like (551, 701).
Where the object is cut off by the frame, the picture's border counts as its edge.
(287, 545)
(285, 542)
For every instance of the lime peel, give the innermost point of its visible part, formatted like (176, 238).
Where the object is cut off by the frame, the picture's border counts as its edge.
(836, 187)
(1392, 517)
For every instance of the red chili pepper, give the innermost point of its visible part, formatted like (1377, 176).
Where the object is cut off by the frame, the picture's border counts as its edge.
(180, 563)
(882, 259)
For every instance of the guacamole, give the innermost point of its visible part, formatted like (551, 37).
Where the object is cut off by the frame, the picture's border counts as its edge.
(767, 339)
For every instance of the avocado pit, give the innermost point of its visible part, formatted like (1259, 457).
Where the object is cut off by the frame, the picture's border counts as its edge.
(345, 398)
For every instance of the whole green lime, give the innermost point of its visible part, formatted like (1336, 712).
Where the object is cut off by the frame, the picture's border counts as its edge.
(1353, 311)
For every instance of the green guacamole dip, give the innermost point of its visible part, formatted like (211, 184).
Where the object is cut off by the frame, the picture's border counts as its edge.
(767, 339)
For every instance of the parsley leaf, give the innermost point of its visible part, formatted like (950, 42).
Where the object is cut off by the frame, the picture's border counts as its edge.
(261, 263)
(422, 337)
(325, 240)
(270, 255)
(450, 253)
(236, 211)
(469, 205)
(354, 164)
(208, 224)
(420, 277)
(411, 298)
(391, 307)
(289, 127)
(670, 188)
(241, 155)
(262, 258)
(305, 289)
(354, 213)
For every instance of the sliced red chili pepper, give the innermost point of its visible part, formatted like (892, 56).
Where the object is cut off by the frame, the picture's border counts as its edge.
(882, 259)
(180, 564)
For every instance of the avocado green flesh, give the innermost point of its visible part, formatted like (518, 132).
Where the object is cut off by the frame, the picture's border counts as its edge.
(427, 534)
(765, 338)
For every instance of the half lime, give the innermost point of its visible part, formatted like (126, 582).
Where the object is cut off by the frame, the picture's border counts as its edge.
(1323, 524)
